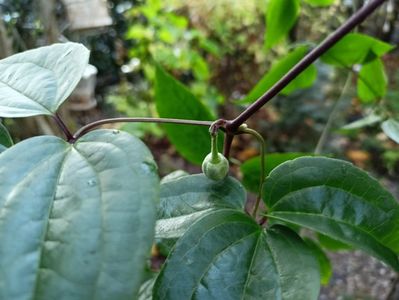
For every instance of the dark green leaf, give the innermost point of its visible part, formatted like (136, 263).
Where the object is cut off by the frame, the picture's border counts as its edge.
(331, 244)
(320, 2)
(76, 219)
(5, 137)
(188, 198)
(281, 16)
(391, 129)
(336, 199)
(355, 48)
(278, 70)
(324, 261)
(227, 255)
(251, 168)
(37, 82)
(173, 100)
(372, 81)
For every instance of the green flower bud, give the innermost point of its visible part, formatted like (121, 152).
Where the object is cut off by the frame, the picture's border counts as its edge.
(215, 169)
(215, 166)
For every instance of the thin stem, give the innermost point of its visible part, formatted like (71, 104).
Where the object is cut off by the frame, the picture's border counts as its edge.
(262, 146)
(228, 140)
(214, 148)
(334, 111)
(63, 127)
(93, 125)
(330, 41)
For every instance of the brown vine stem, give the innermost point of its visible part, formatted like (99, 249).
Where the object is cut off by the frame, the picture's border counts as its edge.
(85, 129)
(63, 127)
(310, 58)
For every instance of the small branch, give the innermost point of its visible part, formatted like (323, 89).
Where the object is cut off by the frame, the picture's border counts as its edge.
(228, 140)
(63, 127)
(310, 58)
(85, 129)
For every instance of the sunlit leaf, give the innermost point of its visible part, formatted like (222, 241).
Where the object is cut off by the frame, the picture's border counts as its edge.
(37, 82)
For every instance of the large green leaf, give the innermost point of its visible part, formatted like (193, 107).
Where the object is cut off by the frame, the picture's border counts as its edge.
(278, 70)
(372, 82)
(355, 48)
(281, 16)
(174, 100)
(37, 82)
(320, 2)
(250, 169)
(227, 255)
(336, 199)
(188, 198)
(76, 221)
(5, 137)
(391, 129)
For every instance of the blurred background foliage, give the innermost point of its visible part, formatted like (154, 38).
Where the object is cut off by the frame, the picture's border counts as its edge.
(219, 50)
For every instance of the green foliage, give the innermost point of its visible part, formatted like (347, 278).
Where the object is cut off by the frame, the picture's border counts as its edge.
(391, 129)
(355, 48)
(226, 254)
(173, 100)
(277, 71)
(250, 169)
(320, 3)
(372, 81)
(343, 203)
(281, 16)
(5, 138)
(78, 211)
(187, 198)
(37, 82)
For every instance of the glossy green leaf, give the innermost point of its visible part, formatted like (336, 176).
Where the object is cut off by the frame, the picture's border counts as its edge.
(355, 48)
(320, 3)
(72, 217)
(391, 129)
(37, 82)
(372, 82)
(281, 16)
(324, 262)
(250, 169)
(5, 137)
(337, 199)
(278, 70)
(227, 255)
(174, 100)
(188, 198)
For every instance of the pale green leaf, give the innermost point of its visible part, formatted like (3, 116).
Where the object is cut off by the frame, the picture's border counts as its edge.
(76, 221)
(37, 82)
(227, 255)
(391, 129)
